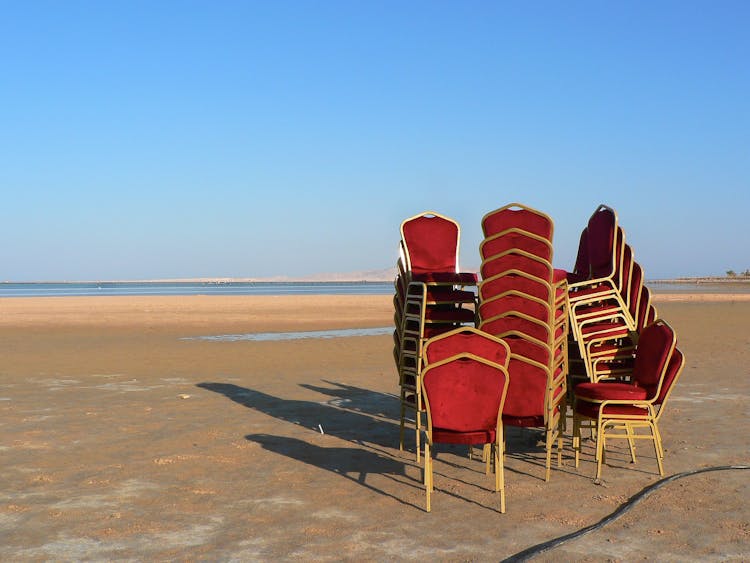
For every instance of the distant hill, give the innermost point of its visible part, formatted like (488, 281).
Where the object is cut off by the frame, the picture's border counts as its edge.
(385, 275)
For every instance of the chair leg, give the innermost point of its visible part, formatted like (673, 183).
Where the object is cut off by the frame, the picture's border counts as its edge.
(657, 446)
(427, 473)
(499, 475)
(661, 446)
(576, 438)
(630, 431)
(599, 448)
(418, 424)
(401, 431)
(548, 461)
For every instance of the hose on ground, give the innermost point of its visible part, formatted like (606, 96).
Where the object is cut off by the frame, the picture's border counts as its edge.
(538, 549)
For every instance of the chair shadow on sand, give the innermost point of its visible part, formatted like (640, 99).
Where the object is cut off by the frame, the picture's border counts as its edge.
(357, 399)
(341, 422)
(370, 436)
(352, 463)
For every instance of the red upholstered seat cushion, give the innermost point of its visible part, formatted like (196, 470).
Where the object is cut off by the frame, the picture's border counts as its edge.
(559, 275)
(523, 421)
(610, 391)
(458, 278)
(436, 314)
(446, 294)
(591, 410)
(442, 436)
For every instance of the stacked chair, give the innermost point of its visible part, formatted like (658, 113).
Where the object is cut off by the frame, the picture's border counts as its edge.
(618, 409)
(475, 357)
(431, 297)
(609, 303)
(464, 385)
(523, 300)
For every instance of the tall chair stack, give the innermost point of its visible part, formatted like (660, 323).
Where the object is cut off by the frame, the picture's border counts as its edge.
(432, 296)
(523, 300)
(609, 301)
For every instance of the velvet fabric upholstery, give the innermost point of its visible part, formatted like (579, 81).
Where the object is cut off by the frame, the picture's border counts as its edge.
(447, 277)
(601, 239)
(581, 270)
(511, 322)
(463, 395)
(526, 390)
(514, 302)
(673, 369)
(466, 340)
(655, 347)
(452, 314)
(591, 410)
(447, 294)
(442, 436)
(516, 260)
(512, 239)
(607, 391)
(511, 280)
(432, 243)
(518, 216)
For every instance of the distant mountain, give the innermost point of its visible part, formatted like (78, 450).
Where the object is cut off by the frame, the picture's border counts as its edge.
(385, 275)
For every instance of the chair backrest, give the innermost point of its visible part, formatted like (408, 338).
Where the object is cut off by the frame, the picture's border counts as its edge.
(430, 243)
(515, 238)
(518, 280)
(601, 235)
(674, 369)
(516, 301)
(624, 271)
(635, 290)
(468, 340)
(520, 322)
(516, 259)
(464, 393)
(581, 270)
(655, 346)
(527, 390)
(518, 216)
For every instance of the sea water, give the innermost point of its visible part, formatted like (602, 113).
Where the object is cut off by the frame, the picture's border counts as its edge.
(193, 288)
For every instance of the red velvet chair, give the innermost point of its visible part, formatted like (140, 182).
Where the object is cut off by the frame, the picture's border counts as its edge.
(604, 253)
(516, 215)
(431, 298)
(639, 403)
(519, 239)
(523, 300)
(464, 396)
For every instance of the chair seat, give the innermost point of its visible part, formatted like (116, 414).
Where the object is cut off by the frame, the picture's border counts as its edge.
(458, 278)
(591, 410)
(610, 391)
(524, 421)
(451, 315)
(442, 436)
(559, 275)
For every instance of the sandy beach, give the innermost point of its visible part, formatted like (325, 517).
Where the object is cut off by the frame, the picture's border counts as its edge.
(126, 437)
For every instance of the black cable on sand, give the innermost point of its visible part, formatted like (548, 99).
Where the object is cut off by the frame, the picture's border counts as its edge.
(538, 549)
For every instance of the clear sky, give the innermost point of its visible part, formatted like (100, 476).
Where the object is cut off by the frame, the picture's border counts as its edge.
(162, 139)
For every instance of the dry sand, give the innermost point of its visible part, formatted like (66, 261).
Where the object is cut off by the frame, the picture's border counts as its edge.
(122, 439)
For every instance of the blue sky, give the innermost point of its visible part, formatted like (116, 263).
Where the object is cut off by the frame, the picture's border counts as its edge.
(250, 139)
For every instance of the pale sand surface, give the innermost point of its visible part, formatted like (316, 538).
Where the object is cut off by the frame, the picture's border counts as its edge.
(102, 459)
